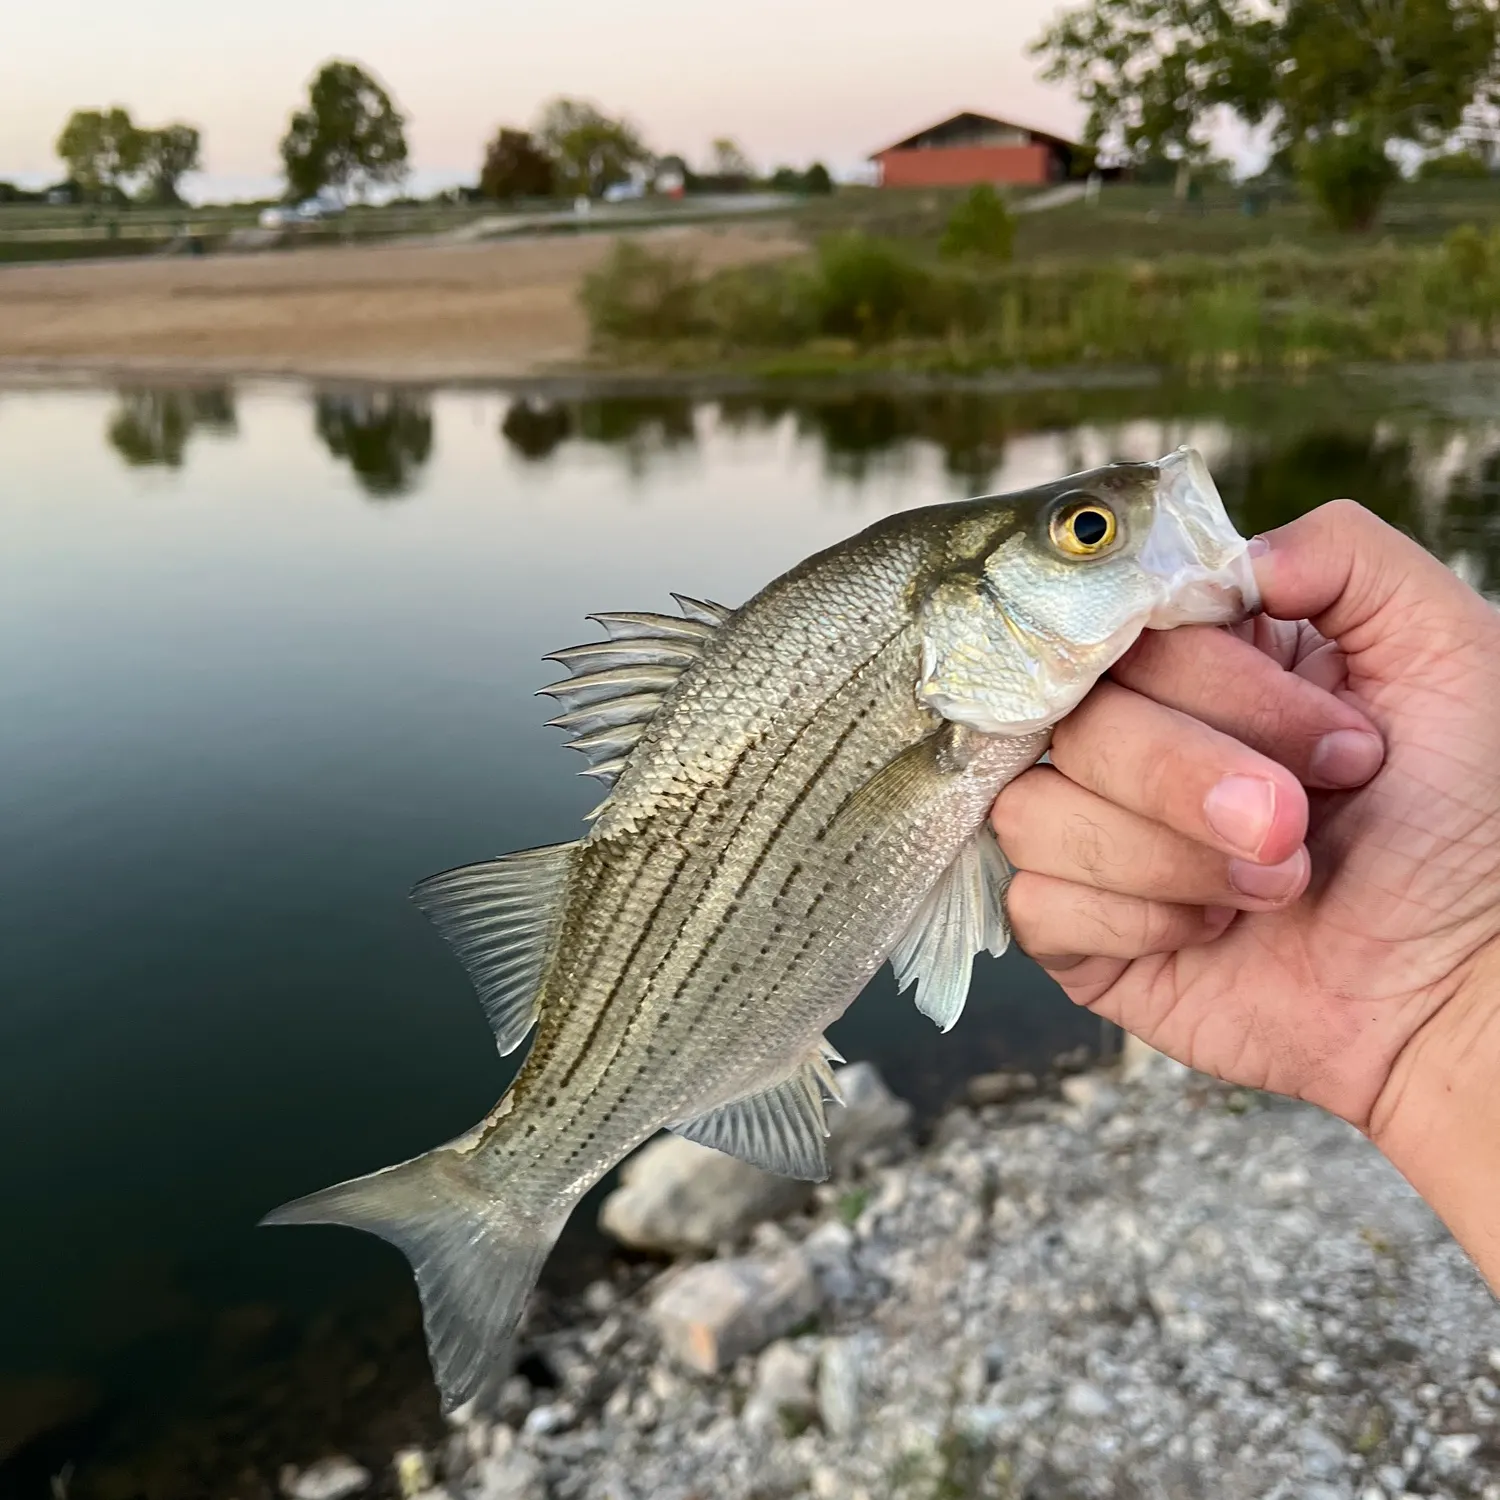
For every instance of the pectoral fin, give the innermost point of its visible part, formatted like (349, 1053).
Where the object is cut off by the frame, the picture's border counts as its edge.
(782, 1128)
(962, 915)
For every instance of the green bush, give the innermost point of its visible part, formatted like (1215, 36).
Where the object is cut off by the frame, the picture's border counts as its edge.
(1461, 165)
(869, 290)
(1349, 176)
(981, 227)
(638, 295)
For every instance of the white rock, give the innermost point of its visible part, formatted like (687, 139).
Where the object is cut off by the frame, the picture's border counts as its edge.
(781, 1393)
(1091, 1093)
(1451, 1455)
(838, 1387)
(871, 1116)
(711, 1314)
(676, 1195)
(517, 1475)
(1321, 1456)
(328, 1479)
(1087, 1401)
(543, 1420)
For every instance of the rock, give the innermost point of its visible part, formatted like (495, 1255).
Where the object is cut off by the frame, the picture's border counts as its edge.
(413, 1472)
(1087, 1401)
(1000, 1087)
(871, 1116)
(542, 1421)
(1091, 1094)
(838, 1387)
(328, 1479)
(676, 1195)
(781, 1398)
(1452, 1455)
(1322, 1458)
(711, 1314)
(516, 1475)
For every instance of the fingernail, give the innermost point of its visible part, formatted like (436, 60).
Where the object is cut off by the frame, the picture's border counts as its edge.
(1218, 916)
(1240, 809)
(1268, 882)
(1347, 757)
(1257, 546)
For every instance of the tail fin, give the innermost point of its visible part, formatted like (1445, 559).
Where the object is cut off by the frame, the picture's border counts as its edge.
(476, 1259)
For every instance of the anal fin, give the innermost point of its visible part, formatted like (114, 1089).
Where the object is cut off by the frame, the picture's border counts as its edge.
(782, 1128)
(964, 914)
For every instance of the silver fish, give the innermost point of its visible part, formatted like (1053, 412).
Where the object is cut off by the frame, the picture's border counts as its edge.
(799, 791)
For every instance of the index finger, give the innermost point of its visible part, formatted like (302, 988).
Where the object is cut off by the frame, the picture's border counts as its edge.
(1225, 682)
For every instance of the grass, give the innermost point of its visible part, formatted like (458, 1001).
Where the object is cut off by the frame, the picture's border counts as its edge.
(866, 301)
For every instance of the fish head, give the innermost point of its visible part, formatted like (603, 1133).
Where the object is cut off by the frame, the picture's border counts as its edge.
(1042, 592)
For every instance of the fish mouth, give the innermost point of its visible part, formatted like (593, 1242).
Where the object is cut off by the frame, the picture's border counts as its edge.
(1193, 549)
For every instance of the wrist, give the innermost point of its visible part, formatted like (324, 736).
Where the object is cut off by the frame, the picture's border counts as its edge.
(1437, 1120)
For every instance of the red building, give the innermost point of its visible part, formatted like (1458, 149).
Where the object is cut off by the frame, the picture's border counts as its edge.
(969, 148)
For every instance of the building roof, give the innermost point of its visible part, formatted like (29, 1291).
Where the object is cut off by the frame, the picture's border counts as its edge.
(972, 118)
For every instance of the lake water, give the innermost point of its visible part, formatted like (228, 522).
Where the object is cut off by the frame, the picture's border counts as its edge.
(267, 658)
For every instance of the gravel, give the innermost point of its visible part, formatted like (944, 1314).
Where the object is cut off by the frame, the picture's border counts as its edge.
(1123, 1288)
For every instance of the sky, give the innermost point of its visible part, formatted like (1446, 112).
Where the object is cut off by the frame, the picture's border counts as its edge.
(790, 80)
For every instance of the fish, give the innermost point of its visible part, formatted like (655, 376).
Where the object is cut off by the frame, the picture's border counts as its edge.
(798, 792)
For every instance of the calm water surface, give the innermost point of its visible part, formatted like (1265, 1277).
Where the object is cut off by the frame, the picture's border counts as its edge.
(266, 658)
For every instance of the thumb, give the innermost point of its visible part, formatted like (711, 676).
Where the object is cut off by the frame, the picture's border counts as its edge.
(1364, 584)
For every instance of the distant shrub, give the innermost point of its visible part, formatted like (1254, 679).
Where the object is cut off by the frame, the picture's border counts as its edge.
(1349, 176)
(816, 180)
(980, 226)
(869, 290)
(1453, 164)
(638, 295)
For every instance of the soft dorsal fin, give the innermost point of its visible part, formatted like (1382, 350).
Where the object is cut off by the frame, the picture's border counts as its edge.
(500, 918)
(782, 1128)
(963, 915)
(618, 684)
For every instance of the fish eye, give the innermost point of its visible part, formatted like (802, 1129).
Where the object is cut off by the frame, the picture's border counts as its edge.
(1084, 528)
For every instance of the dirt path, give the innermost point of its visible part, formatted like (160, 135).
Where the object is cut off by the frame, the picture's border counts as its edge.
(429, 312)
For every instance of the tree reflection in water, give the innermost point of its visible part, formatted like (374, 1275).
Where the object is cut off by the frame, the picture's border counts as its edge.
(384, 436)
(152, 427)
(536, 428)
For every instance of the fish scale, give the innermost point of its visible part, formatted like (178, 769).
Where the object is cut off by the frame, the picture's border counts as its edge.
(799, 790)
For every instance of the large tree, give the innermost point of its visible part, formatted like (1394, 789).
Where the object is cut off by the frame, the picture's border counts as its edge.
(167, 155)
(350, 136)
(1339, 80)
(102, 148)
(590, 150)
(514, 167)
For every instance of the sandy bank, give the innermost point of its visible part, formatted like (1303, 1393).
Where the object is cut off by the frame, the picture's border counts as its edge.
(426, 312)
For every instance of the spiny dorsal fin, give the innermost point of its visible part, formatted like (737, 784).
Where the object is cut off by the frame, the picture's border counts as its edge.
(500, 918)
(618, 684)
(782, 1128)
(964, 914)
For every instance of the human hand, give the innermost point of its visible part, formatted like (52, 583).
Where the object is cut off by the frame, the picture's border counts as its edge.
(1339, 946)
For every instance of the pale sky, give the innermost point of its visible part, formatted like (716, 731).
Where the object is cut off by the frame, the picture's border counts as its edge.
(791, 80)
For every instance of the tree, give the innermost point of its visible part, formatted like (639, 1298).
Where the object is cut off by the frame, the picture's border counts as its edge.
(515, 168)
(730, 161)
(1364, 72)
(166, 155)
(590, 151)
(350, 136)
(101, 148)
(816, 180)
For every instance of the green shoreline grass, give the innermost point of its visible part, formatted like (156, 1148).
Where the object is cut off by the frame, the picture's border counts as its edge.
(861, 303)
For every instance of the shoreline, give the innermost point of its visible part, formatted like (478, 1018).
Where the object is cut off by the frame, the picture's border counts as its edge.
(1134, 1282)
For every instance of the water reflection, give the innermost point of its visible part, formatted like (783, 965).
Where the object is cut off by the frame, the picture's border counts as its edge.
(536, 428)
(1276, 453)
(386, 437)
(153, 427)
